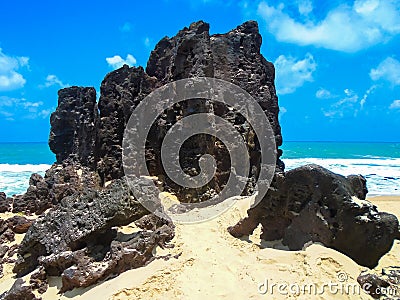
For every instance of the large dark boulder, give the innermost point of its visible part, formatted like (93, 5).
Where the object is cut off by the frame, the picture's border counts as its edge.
(312, 204)
(77, 221)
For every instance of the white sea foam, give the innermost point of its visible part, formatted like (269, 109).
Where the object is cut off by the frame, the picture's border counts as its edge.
(383, 174)
(14, 179)
(23, 168)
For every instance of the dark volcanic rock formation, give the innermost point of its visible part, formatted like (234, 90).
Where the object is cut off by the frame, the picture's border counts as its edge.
(87, 266)
(77, 237)
(77, 221)
(74, 124)
(87, 194)
(60, 181)
(121, 92)
(313, 204)
(193, 52)
(234, 57)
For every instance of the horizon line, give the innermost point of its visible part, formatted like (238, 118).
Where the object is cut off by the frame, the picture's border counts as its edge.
(289, 141)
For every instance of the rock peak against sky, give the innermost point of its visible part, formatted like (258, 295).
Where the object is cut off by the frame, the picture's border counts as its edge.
(317, 46)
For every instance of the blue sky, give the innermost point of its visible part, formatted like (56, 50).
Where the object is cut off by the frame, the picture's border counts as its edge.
(337, 62)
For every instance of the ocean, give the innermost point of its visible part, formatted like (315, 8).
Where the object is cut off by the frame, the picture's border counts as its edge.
(378, 162)
(18, 161)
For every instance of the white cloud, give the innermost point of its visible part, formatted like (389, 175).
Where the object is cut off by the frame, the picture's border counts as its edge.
(10, 79)
(53, 80)
(282, 111)
(6, 114)
(147, 42)
(127, 27)
(117, 61)
(366, 95)
(9, 101)
(292, 73)
(324, 94)
(395, 104)
(344, 28)
(10, 108)
(305, 6)
(45, 112)
(32, 104)
(349, 104)
(388, 69)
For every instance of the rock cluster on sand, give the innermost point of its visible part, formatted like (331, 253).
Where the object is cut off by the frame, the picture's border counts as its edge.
(87, 138)
(86, 195)
(8, 228)
(76, 239)
(312, 204)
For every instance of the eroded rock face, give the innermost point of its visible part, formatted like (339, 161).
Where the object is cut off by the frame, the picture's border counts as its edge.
(193, 52)
(234, 57)
(77, 221)
(311, 203)
(87, 266)
(60, 181)
(74, 125)
(121, 91)
(77, 241)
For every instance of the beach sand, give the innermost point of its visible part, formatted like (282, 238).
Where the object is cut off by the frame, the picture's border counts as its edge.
(211, 264)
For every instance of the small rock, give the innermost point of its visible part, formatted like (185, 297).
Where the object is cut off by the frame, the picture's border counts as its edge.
(3, 250)
(19, 292)
(38, 280)
(372, 284)
(19, 224)
(5, 203)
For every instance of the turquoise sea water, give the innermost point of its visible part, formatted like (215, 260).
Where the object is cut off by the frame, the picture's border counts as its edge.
(340, 150)
(378, 162)
(18, 161)
(26, 153)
